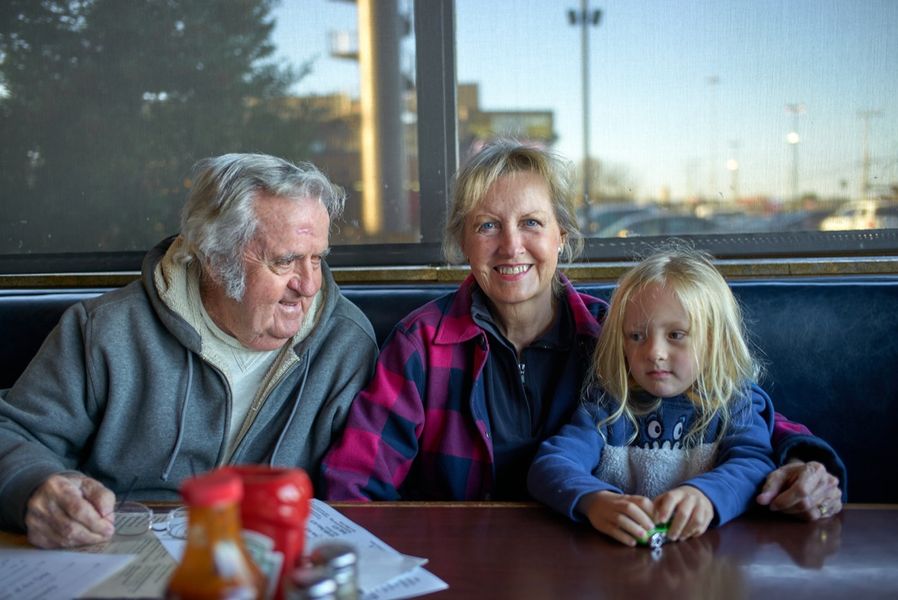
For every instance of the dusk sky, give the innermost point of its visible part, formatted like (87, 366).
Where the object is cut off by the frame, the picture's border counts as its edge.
(675, 86)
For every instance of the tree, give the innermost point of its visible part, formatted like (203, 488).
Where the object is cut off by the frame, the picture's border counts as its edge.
(109, 103)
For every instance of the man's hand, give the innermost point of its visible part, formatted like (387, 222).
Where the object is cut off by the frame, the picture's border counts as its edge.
(625, 518)
(802, 489)
(68, 510)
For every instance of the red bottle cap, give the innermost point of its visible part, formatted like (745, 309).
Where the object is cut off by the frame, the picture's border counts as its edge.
(274, 494)
(216, 487)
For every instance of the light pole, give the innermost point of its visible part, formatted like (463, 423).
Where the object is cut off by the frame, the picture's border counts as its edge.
(733, 168)
(585, 17)
(866, 115)
(713, 81)
(793, 138)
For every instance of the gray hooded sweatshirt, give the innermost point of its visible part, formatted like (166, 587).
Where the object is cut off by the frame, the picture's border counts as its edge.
(120, 389)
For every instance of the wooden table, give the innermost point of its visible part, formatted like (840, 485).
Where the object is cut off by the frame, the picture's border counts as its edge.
(523, 551)
(496, 550)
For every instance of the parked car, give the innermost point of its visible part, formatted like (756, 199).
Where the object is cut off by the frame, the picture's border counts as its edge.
(738, 222)
(596, 217)
(800, 220)
(862, 214)
(658, 223)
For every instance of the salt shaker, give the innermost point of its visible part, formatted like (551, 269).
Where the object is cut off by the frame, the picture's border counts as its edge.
(310, 583)
(342, 563)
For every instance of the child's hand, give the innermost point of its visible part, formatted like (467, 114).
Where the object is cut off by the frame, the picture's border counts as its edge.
(622, 517)
(690, 509)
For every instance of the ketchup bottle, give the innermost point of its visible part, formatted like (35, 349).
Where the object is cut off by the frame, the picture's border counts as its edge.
(276, 505)
(215, 562)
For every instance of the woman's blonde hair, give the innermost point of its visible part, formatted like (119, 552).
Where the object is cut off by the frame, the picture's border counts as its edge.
(725, 364)
(502, 157)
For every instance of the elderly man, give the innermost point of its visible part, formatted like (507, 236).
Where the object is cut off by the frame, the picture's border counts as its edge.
(235, 347)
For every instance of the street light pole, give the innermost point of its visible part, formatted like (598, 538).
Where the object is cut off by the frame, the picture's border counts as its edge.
(733, 167)
(585, 17)
(713, 81)
(866, 115)
(793, 138)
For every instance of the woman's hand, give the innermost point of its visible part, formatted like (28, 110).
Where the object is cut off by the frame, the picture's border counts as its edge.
(689, 511)
(622, 517)
(805, 490)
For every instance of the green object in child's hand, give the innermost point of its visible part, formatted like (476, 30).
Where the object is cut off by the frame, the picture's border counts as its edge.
(656, 536)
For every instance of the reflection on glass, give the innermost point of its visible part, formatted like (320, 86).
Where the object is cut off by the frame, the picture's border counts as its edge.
(101, 126)
(362, 82)
(704, 117)
(718, 117)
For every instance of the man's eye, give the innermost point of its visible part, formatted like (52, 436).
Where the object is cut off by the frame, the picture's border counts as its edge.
(283, 265)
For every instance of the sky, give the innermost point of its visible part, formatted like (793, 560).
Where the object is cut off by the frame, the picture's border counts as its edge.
(677, 87)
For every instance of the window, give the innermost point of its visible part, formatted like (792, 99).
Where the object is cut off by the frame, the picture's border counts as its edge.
(709, 118)
(752, 126)
(106, 105)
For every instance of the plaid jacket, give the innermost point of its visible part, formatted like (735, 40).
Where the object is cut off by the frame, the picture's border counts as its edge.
(421, 430)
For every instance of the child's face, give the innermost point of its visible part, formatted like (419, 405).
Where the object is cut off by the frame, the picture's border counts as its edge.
(657, 345)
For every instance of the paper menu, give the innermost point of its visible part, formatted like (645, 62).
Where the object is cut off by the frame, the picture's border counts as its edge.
(384, 573)
(52, 575)
(145, 577)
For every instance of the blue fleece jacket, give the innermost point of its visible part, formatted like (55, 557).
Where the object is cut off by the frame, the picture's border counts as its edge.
(584, 458)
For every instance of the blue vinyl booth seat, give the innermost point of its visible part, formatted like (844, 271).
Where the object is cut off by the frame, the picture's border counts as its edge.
(829, 347)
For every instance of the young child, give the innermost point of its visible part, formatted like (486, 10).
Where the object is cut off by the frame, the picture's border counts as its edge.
(672, 427)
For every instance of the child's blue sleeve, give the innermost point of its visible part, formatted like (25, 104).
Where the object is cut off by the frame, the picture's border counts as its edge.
(561, 473)
(744, 458)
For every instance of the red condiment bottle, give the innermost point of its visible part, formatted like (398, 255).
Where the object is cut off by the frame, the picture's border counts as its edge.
(215, 562)
(276, 505)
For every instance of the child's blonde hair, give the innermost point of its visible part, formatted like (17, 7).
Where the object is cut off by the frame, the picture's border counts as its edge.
(724, 362)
